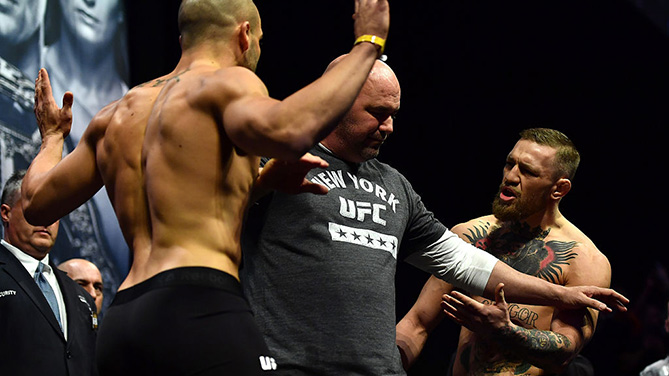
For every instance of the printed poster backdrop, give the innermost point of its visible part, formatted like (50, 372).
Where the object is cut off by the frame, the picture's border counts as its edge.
(83, 46)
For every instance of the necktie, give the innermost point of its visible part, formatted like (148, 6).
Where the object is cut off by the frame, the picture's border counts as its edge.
(47, 291)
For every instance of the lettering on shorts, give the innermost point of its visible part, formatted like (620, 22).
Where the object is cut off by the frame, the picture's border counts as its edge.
(267, 363)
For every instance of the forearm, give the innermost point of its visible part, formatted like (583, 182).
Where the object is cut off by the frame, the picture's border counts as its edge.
(50, 189)
(410, 340)
(544, 349)
(412, 331)
(50, 154)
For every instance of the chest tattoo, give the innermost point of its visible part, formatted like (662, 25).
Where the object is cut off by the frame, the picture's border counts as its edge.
(525, 249)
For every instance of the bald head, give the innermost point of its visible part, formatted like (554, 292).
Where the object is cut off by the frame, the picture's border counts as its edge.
(201, 20)
(364, 128)
(87, 275)
(381, 74)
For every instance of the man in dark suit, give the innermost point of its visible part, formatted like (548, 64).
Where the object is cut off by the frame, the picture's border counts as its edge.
(41, 333)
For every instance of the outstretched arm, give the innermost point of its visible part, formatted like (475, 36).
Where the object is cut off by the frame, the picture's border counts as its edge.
(53, 187)
(287, 129)
(412, 331)
(522, 288)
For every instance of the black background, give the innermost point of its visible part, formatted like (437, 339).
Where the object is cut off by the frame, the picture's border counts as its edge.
(473, 75)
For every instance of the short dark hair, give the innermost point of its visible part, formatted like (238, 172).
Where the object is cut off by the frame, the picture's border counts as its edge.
(12, 189)
(567, 157)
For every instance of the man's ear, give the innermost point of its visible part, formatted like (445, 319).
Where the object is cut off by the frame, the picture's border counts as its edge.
(244, 36)
(561, 188)
(4, 213)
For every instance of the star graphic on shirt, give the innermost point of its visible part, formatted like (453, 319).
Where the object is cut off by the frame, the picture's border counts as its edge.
(370, 240)
(393, 244)
(342, 233)
(355, 236)
(382, 242)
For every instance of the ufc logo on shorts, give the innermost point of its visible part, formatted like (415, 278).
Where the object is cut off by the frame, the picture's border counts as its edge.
(267, 363)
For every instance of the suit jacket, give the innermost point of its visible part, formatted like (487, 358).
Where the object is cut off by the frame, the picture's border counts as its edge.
(31, 341)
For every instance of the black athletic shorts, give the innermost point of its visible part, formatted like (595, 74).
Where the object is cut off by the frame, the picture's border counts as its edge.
(185, 321)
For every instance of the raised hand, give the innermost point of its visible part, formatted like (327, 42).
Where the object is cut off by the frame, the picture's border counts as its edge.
(290, 176)
(50, 118)
(372, 17)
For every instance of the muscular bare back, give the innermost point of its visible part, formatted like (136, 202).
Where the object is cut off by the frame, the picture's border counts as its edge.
(562, 255)
(178, 185)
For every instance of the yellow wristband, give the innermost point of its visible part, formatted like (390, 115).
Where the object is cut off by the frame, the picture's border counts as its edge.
(373, 39)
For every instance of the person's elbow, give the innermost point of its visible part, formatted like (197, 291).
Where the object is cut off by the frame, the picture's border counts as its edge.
(31, 213)
(36, 213)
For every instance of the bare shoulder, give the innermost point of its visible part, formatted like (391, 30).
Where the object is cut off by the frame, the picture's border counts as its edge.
(132, 107)
(101, 120)
(570, 232)
(590, 266)
(208, 87)
(480, 225)
(234, 82)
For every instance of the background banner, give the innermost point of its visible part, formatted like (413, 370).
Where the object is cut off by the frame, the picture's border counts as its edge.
(83, 46)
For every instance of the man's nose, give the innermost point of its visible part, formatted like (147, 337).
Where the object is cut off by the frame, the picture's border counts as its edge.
(511, 176)
(387, 125)
(90, 289)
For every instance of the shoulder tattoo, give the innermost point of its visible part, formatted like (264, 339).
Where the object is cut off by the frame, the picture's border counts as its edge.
(524, 248)
(159, 81)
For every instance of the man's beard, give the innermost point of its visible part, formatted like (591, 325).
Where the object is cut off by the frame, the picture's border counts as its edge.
(519, 209)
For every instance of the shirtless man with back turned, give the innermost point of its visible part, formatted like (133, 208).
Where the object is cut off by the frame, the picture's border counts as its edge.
(179, 157)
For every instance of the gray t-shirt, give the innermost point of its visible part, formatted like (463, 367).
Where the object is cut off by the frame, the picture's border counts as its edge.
(319, 271)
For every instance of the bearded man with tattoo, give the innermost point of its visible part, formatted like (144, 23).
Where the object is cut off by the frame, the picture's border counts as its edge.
(528, 232)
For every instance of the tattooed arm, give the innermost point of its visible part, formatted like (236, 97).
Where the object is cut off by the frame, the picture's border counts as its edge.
(550, 350)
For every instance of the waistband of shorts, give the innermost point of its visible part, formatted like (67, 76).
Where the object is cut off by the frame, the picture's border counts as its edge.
(185, 276)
